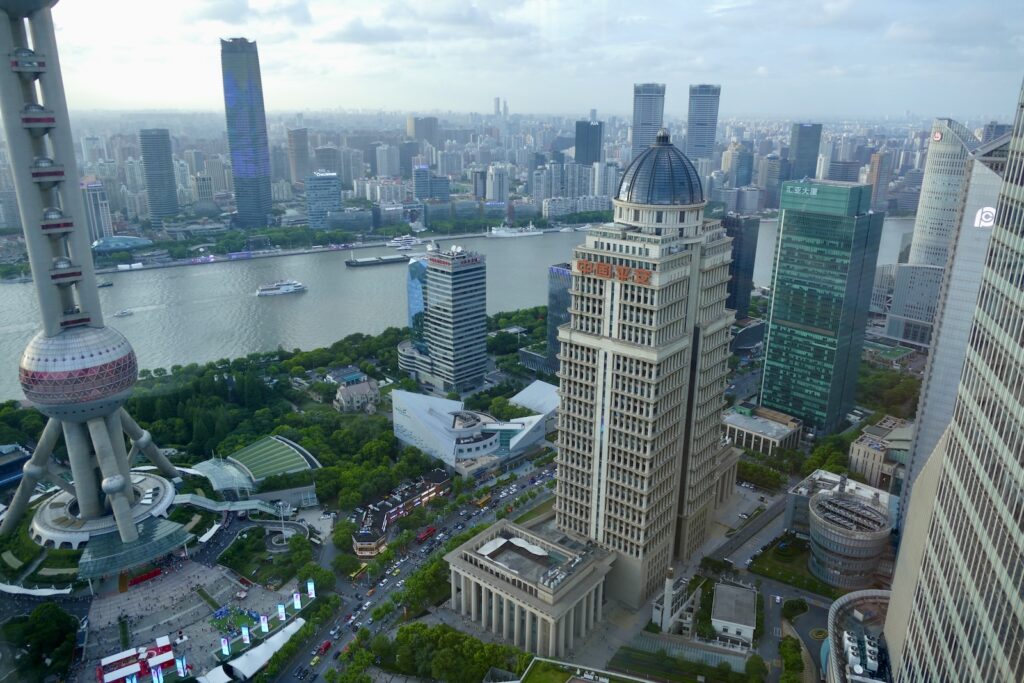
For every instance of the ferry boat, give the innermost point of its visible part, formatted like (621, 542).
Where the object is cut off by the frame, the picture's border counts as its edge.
(105, 283)
(282, 287)
(404, 241)
(124, 313)
(567, 228)
(505, 230)
(376, 260)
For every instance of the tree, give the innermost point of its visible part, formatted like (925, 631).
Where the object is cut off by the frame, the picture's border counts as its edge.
(48, 633)
(342, 534)
(755, 669)
(345, 564)
(322, 578)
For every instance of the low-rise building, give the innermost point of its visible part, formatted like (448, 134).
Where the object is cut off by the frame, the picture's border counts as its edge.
(881, 452)
(371, 538)
(541, 398)
(734, 612)
(856, 650)
(356, 390)
(849, 525)
(761, 429)
(468, 441)
(538, 589)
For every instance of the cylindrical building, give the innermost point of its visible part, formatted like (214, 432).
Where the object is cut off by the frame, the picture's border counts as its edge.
(849, 537)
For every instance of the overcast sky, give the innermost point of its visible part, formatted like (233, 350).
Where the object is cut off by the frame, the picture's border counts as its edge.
(827, 58)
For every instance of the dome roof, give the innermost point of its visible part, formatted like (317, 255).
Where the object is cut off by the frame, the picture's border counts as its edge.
(661, 175)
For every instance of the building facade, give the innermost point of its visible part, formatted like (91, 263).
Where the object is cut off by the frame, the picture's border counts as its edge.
(743, 231)
(957, 299)
(956, 611)
(879, 177)
(823, 274)
(589, 139)
(702, 121)
(804, 142)
(158, 167)
(97, 209)
(323, 195)
(760, 429)
(559, 301)
(247, 131)
(497, 183)
(648, 115)
(642, 375)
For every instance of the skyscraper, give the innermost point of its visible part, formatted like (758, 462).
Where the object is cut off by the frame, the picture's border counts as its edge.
(822, 277)
(75, 371)
(844, 171)
(387, 161)
(702, 121)
(956, 301)
(559, 299)
(323, 195)
(416, 291)
(328, 159)
(455, 322)
(97, 209)
(158, 167)
(743, 231)
(917, 282)
(642, 375)
(298, 154)
(879, 177)
(804, 141)
(648, 114)
(247, 131)
(497, 183)
(956, 612)
(589, 138)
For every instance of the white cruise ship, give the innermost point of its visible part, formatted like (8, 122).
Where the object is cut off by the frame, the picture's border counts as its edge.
(505, 230)
(404, 241)
(282, 287)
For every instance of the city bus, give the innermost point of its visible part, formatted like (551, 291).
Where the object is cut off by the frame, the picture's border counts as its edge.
(425, 534)
(359, 572)
(483, 502)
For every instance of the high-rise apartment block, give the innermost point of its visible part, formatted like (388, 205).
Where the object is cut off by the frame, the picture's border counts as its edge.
(743, 231)
(879, 177)
(158, 166)
(454, 327)
(702, 121)
(247, 131)
(323, 195)
(298, 154)
(97, 209)
(822, 278)
(589, 138)
(956, 612)
(804, 141)
(648, 115)
(497, 183)
(642, 462)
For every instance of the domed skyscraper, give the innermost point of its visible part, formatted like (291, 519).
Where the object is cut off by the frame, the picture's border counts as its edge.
(76, 371)
(644, 360)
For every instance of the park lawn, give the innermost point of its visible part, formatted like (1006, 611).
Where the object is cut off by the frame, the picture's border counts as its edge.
(791, 568)
(250, 558)
(544, 672)
(537, 511)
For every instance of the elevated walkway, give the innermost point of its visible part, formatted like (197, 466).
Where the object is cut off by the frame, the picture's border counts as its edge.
(252, 505)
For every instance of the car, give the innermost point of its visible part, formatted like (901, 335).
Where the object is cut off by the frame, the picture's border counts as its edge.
(460, 526)
(396, 572)
(313, 662)
(370, 622)
(778, 599)
(383, 582)
(367, 605)
(744, 515)
(297, 672)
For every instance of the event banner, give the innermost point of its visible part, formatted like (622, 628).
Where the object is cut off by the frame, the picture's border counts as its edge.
(181, 666)
(264, 624)
(225, 647)
(280, 613)
(245, 635)
(297, 600)
(310, 591)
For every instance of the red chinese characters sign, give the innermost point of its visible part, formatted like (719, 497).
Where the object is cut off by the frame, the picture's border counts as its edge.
(607, 271)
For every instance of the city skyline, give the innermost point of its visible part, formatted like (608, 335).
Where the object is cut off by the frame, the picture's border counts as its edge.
(925, 67)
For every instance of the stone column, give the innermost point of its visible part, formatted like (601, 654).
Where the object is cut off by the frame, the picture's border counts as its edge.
(552, 639)
(572, 626)
(600, 599)
(517, 616)
(455, 591)
(506, 619)
(560, 642)
(465, 595)
(496, 602)
(528, 640)
(474, 600)
(588, 609)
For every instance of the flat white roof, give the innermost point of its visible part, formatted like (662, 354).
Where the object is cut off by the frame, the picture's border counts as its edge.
(757, 425)
(539, 396)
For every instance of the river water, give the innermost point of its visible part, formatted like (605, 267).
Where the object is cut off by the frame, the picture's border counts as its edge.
(205, 312)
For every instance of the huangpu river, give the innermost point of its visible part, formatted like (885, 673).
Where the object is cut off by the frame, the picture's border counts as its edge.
(204, 312)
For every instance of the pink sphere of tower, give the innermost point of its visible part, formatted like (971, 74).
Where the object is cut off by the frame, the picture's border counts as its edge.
(81, 373)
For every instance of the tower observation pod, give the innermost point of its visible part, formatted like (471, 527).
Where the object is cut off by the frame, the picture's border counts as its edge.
(76, 371)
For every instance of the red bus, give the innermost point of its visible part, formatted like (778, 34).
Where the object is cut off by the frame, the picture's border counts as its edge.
(324, 647)
(425, 534)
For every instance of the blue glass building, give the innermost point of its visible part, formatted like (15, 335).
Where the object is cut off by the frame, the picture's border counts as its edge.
(559, 300)
(247, 131)
(417, 291)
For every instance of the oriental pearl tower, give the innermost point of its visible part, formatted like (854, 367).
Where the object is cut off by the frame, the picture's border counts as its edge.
(76, 371)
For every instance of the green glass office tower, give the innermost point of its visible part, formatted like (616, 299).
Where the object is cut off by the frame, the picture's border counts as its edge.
(823, 270)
